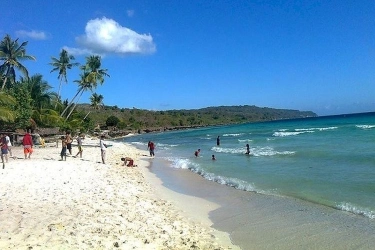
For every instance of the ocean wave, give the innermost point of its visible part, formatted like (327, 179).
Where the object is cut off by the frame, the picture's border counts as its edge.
(269, 151)
(229, 150)
(234, 135)
(138, 143)
(283, 134)
(257, 151)
(365, 126)
(356, 210)
(180, 163)
(312, 129)
(245, 140)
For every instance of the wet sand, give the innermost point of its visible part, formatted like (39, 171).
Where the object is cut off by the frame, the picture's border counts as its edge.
(256, 221)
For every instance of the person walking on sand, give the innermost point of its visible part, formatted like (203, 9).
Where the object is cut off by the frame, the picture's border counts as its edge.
(63, 148)
(151, 147)
(196, 153)
(247, 149)
(27, 143)
(9, 143)
(103, 148)
(218, 141)
(4, 148)
(79, 143)
(69, 141)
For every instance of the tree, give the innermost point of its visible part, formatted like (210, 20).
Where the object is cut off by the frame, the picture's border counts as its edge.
(6, 113)
(92, 75)
(96, 101)
(41, 100)
(112, 121)
(11, 53)
(62, 65)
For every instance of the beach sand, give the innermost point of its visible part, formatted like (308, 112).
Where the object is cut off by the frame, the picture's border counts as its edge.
(84, 204)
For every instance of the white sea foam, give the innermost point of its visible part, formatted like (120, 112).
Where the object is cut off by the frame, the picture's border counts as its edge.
(312, 129)
(234, 135)
(245, 140)
(269, 151)
(179, 162)
(138, 143)
(229, 150)
(283, 134)
(365, 126)
(345, 206)
(257, 151)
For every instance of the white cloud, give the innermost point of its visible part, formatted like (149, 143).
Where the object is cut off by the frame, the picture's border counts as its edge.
(130, 13)
(77, 51)
(37, 35)
(106, 36)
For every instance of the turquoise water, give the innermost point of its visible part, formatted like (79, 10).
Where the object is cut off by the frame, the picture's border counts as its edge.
(325, 160)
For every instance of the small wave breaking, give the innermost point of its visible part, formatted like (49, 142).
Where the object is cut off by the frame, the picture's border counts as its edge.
(345, 206)
(365, 126)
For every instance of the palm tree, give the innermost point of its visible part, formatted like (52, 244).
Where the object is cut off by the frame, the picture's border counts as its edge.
(11, 53)
(83, 86)
(62, 65)
(92, 75)
(96, 74)
(6, 114)
(96, 102)
(41, 97)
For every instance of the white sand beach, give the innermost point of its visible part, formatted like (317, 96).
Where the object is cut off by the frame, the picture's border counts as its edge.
(84, 204)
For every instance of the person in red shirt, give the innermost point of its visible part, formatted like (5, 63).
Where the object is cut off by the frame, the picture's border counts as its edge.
(151, 147)
(27, 143)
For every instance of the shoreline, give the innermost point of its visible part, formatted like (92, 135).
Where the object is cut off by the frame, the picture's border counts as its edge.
(258, 221)
(82, 204)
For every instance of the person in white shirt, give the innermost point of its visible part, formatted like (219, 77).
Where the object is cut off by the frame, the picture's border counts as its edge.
(9, 145)
(103, 148)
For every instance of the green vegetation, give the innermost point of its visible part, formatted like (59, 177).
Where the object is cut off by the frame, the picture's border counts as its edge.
(138, 119)
(31, 103)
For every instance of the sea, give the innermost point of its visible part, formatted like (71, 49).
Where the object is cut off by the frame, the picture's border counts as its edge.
(329, 160)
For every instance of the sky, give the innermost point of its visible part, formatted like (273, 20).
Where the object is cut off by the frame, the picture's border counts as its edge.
(187, 54)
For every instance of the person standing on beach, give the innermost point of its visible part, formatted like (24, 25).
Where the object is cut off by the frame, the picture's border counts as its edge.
(9, 143)
(151, 147)
(103, 148)
(4, 148)
(247, 149)
(79, 143)
(218, 141)
(69, 141)
(196, 153)
(27, 143)
(63, 147)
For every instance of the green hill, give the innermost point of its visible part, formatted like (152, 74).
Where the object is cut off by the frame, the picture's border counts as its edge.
(147, 120)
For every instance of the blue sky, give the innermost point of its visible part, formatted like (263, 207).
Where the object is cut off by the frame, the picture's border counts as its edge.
(187, 54)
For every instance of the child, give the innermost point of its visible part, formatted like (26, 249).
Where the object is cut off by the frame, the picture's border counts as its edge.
(79, 143)
(130, 160)
(63, 149)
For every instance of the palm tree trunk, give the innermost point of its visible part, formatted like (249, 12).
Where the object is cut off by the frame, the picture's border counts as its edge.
(75, 104)
(6, 79)
(58, 93)
(86, 115)
(70, 103)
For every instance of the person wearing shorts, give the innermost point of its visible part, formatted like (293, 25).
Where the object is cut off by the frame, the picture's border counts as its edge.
(69, 141)
(4, 148)
(27, 143)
